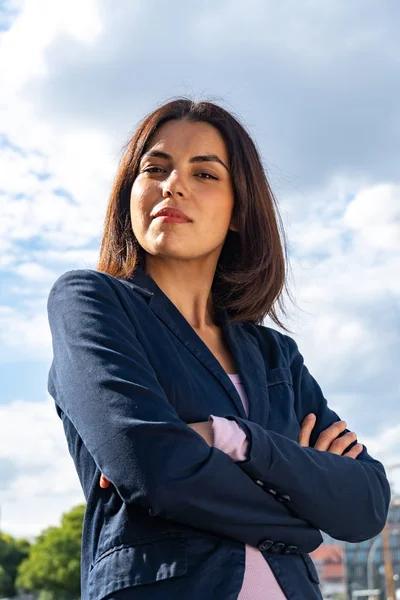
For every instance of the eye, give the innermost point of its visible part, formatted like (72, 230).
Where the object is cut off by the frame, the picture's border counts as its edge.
(207, 175)
(151, 169)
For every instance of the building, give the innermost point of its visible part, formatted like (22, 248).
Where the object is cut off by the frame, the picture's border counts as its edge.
(364, 561)
(329, 561)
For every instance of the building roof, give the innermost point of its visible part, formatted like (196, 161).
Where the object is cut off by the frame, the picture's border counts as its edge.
(329, 560)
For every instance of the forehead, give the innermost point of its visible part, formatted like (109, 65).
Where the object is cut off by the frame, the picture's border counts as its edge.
(188, 137)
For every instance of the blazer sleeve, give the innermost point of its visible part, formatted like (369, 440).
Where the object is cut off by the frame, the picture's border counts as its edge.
(103, 381)
(344, 497)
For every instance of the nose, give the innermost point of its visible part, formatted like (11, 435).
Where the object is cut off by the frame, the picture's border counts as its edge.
(174, 185)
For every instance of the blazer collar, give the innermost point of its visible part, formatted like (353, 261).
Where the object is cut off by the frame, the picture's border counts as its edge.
(244, 348)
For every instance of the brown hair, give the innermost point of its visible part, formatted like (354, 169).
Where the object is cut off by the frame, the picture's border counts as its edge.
(251, 271)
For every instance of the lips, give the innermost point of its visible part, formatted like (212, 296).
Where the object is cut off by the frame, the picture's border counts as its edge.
(171, 212)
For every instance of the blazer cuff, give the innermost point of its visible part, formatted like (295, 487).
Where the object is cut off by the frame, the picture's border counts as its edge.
(251, 464)
(229, 437)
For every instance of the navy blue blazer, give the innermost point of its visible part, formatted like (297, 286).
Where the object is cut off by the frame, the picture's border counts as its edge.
(128, 374)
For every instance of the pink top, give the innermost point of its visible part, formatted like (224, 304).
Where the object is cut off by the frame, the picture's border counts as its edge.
(259, 582)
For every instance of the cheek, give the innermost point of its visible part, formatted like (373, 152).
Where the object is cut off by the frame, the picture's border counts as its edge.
(138, 193)
(139, 212)
(141, 200)
(220, 212)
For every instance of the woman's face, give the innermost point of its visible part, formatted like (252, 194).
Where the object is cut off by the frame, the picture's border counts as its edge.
(183, 178)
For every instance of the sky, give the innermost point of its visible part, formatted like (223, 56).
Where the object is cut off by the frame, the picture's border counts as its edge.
(317, 86)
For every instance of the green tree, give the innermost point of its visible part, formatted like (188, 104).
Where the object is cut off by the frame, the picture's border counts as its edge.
(53, 564)
(12, 552)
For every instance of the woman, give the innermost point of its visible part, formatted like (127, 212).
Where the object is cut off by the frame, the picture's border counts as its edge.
(185, 416)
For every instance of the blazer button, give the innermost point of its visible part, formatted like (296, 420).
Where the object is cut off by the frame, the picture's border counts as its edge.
(277, 548)
(259, 482)
(265, 545)
(273, 492)
(290, 550)
(284, 498)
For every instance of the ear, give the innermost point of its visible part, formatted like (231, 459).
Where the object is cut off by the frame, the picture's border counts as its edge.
(233, 225)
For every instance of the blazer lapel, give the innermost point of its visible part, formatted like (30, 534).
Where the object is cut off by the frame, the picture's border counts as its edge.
(244, 348)
(251, 368)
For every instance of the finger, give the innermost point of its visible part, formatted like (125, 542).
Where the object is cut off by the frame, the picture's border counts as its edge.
(306, 429)
(104, 483)
(339, 445)
(327, 436)
(355, 451)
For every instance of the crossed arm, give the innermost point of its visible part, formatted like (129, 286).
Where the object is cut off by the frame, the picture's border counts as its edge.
(335, 485)
(349, 503)
(230, 438)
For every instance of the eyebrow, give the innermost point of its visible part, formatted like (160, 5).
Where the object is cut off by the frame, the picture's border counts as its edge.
(194, 159)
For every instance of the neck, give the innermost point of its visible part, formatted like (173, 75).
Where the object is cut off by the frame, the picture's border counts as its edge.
(188, 288)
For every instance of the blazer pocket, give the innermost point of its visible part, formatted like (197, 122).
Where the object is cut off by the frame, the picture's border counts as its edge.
(311, 568)
(144, 561)
(279, 375)
(282, 416)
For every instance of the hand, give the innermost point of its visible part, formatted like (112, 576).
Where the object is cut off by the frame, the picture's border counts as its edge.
(328, 440)
(203, 428)
(104, 483)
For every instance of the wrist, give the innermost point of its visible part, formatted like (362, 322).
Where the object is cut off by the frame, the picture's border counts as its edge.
(229, 437)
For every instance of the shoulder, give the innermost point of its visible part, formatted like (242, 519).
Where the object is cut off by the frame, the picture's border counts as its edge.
(90, 284)
(78, 282)
(277, 348)
(76, 276)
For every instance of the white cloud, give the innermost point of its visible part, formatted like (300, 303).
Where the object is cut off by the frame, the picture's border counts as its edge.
(64, 212)
(44, 482)
(35, 272)
(24, 335)
(55, 181)
(27, 60)
(9, 12)
(374, 215)
(81, 256)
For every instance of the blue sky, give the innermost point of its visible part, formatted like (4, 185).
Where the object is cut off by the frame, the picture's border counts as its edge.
(316, 84)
